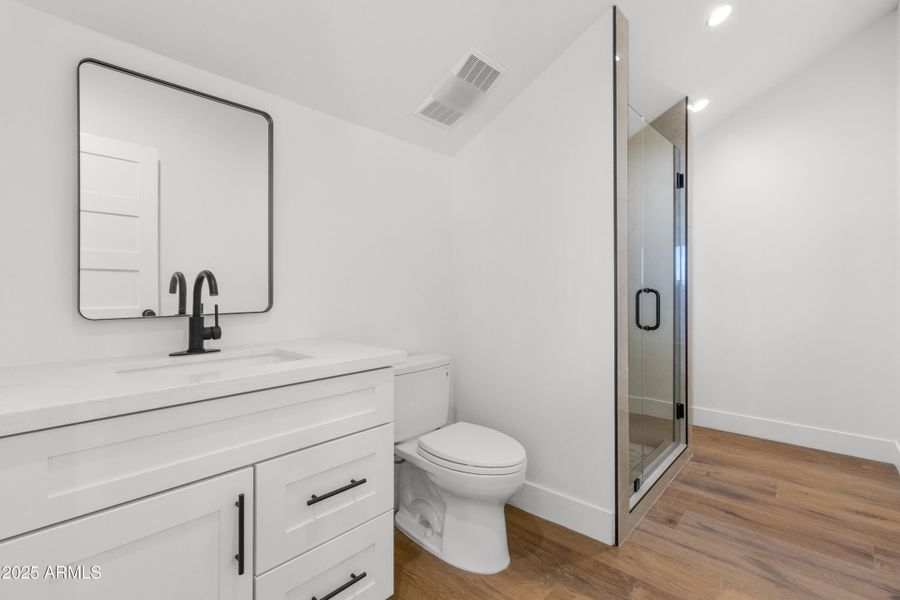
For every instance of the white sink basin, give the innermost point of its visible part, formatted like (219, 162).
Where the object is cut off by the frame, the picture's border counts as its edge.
(209, 367)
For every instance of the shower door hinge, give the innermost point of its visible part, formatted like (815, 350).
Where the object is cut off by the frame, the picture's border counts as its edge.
(679, 181)
(636, 484)
(679, 410)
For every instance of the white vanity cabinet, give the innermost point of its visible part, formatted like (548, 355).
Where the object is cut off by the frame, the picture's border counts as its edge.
(294, 483)
(178, 545)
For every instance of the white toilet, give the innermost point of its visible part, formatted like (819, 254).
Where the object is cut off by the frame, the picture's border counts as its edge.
(454, 479)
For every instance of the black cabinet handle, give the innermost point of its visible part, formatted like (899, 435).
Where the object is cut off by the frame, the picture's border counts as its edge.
(353, 580)
(353, 483)
(239, 557)
(637, 309)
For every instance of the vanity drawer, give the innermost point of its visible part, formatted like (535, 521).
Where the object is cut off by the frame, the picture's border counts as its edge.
(66, 472)
(311, 496)
(362, 560)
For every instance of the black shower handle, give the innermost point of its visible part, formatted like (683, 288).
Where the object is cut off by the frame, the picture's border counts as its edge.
(637, 309)
(658, 309)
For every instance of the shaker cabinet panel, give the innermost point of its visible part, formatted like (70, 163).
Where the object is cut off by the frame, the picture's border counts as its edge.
(178, 545)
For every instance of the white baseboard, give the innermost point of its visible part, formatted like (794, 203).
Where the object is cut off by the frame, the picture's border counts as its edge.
(861, 446)
(587, 519)
(897, 456)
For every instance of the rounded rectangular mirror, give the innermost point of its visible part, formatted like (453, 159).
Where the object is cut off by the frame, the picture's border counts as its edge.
(171, 181)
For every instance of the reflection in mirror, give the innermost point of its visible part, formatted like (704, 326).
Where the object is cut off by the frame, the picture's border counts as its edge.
(170, 180)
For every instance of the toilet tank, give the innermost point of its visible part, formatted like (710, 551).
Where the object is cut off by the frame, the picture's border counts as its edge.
(421, 395)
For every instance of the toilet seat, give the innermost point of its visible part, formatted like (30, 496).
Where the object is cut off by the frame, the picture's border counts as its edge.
(469, 469)
(473, 449)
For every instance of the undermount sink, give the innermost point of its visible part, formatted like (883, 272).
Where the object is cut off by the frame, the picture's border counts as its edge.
(209, 367)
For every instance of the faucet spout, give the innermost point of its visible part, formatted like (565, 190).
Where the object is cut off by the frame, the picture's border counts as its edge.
(204, 275)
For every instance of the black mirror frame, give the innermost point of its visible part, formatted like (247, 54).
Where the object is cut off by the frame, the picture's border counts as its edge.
(181, 88)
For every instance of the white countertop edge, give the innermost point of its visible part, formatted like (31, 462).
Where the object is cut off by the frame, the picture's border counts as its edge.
(23, 409)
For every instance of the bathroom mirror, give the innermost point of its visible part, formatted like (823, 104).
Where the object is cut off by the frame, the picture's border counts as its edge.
(170, 180)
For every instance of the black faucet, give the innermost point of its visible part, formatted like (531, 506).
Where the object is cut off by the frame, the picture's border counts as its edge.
(198, 332)
(178, 284)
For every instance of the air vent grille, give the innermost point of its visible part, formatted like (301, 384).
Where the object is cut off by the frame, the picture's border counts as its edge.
(460, 90)
(441, 113)
(478, 73)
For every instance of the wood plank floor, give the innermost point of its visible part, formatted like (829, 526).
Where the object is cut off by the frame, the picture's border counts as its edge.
(745, 519)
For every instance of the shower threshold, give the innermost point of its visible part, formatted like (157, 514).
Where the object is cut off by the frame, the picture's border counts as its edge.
(656, 469)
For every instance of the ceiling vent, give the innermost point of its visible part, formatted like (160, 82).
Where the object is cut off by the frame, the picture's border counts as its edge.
(443, 114)
(472, 78)
(476, 71)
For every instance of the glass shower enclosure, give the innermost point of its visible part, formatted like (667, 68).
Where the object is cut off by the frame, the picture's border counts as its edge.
(657, 286)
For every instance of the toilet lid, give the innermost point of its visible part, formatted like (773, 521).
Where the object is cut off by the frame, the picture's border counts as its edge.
(473, 445)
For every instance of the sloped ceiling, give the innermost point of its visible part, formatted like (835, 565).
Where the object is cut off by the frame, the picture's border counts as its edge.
(373, 62)
(674, 54)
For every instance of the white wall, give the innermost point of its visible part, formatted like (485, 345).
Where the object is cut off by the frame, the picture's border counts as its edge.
(795, 246)
(362, 220)
(533, 284)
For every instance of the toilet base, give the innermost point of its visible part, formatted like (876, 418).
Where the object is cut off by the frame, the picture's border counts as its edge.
(476, 544)
(457, 516)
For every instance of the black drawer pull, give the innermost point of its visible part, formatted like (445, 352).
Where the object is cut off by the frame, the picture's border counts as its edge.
(239, 557)
(353, 483)
(353, 580)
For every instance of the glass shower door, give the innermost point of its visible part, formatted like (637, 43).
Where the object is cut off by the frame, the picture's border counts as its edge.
(635, 284)
(656, 301)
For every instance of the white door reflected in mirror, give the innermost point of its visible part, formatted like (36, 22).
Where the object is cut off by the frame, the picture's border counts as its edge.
(119, 228)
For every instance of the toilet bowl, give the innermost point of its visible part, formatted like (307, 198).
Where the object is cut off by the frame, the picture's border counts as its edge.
(454, 481)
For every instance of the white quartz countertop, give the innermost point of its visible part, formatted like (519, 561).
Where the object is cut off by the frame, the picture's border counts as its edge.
(53, 395)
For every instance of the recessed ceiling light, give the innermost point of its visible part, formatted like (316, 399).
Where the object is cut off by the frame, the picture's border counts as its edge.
(698, 105)
(718, 15)
(617, 58)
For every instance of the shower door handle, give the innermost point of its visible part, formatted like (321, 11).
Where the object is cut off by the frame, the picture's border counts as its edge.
(655, 326)
(637, 309)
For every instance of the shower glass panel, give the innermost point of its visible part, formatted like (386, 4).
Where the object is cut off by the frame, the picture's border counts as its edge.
(657, 302)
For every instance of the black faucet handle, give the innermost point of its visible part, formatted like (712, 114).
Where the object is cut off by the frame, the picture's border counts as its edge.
(216, 330)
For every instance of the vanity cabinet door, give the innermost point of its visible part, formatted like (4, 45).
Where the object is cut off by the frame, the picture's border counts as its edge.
(178, 545)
